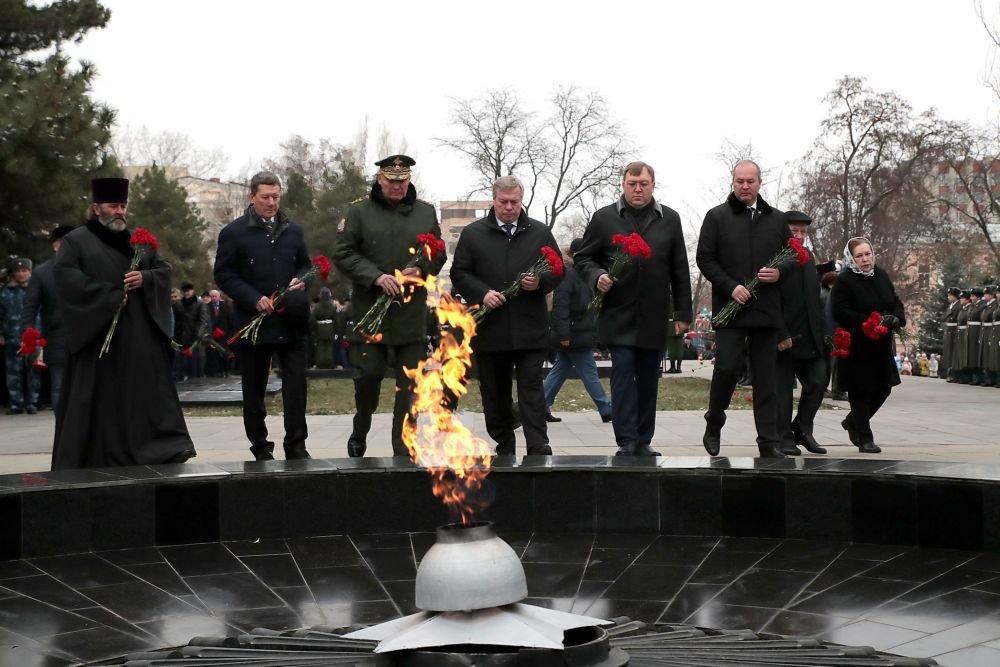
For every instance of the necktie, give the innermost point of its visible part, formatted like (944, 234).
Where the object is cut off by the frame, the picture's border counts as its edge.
(508, 228)
(753, 213)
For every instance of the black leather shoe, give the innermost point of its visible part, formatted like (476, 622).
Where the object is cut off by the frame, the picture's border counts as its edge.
(712, 440)
(771, 453)
(296, 454)
(626, 450)
(506, 450)
(356, 447)
(644, 449)
(551, 418)
(789, 449)
(807, 441)
(851, 435)
(606, 419)
(869, 448)
(541, 450)
(263, 456)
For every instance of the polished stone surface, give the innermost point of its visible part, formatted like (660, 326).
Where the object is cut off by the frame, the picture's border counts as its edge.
(918, 602)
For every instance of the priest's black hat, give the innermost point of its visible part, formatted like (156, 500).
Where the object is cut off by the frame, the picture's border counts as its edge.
(109, 190)
(826, 267)
(797, 216)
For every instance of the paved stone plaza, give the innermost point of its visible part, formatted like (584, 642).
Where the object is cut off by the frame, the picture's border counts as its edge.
(924, 419)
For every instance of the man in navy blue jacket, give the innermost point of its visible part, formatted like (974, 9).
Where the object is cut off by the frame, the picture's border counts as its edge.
(259, 254)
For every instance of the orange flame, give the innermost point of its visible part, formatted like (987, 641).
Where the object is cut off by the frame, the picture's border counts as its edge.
(457, 460)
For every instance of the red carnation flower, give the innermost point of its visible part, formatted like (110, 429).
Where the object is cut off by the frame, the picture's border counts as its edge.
(31, 341)
(323, 265)
(218, 334)
(187, 352)
(554, 260)
(841, 339)
(801, 254)
(142, 236)
(633, 245)
(873, 327)
(432, 245)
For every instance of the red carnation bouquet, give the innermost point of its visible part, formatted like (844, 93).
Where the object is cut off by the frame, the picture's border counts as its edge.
(321, 266)
(631, 248)
(32, 342)
(550, 261)
(793, 251)
(840, 343)
(429, 246)
(142, 242)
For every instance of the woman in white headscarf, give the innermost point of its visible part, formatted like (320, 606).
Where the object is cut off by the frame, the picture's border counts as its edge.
(869, 373)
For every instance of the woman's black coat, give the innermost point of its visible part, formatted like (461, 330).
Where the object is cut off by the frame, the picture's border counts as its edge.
(870, 366)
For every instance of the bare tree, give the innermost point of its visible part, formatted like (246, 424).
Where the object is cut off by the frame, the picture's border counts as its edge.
(966, 182)
(498, 138)
(170, 150)
(567, 159)
(864, 174)
(991, 24)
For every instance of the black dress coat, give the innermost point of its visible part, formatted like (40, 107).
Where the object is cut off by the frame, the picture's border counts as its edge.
(870, 367)
(250, 264)
(802, 311)
(571, 319)
(637, 310)
(731, 250)
(41, 301)
(486, 259)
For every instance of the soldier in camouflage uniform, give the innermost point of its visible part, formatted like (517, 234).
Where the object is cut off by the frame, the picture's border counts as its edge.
(950, 329)
(22, 378)
(375, 239)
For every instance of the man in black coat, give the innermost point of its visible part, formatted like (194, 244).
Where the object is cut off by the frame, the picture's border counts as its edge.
(738, 239)
(510, 341)
(191, 323)
(260, 253)
(220, 316)
(801, 348)
(40, 302)
(638, 304)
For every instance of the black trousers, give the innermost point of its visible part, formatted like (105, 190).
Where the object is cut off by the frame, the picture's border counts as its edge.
(370, 361)
(812, 375)
(635, 374)
(497, 370)
(255, 367)
(731, 349)
(864, 405)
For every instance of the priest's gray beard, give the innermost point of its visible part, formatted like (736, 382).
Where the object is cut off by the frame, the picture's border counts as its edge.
(115, 223)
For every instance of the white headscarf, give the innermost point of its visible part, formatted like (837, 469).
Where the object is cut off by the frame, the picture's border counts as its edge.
(849, 257)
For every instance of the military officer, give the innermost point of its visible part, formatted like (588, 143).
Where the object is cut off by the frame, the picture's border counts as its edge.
(950, 328)
(378, 237)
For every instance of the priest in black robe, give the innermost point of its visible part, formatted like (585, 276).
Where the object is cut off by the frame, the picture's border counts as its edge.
(120, 409)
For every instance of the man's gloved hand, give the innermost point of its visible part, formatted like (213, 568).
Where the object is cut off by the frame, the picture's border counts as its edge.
(891, 321)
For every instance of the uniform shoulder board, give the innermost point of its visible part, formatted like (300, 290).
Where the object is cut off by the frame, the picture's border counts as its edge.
(342, 225)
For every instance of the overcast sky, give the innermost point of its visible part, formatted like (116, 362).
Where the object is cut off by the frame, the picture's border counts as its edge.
(683, 77)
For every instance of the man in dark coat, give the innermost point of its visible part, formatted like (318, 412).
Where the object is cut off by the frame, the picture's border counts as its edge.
(40, 303)
(738, 239)
(220, 316)
(958, 372)
(574, 337)
(121, 408)
(949, 329)
(22, 377)
(801, 349)
(191, 322)
(975, 333)
(638, 304)
(377, 238)
(259, 254)
(491, 254)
